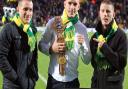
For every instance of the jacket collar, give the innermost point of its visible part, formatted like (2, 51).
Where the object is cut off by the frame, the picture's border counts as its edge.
(99, 28)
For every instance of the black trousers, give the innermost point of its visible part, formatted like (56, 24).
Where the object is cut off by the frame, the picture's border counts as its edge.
(54, 84)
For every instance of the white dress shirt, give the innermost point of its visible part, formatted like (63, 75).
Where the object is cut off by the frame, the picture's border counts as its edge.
(72, 56)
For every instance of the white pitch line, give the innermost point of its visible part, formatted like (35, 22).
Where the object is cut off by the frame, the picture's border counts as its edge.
(43, 79)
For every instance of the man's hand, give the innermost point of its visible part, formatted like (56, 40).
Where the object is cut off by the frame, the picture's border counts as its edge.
(100, 43)
(58, 47)
(80, 39)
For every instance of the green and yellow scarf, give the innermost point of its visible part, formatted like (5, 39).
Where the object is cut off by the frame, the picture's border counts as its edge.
(103, 64)
(69, 32)
(27, 28)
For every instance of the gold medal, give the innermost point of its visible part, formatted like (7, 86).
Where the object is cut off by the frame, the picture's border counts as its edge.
(61, 60)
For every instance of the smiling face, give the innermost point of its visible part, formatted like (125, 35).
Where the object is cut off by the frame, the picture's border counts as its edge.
(106, 13)
(72, 7)
(25, 9)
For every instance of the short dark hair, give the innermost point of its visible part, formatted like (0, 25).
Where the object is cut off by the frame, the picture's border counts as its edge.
(19, 1)
(107, 2)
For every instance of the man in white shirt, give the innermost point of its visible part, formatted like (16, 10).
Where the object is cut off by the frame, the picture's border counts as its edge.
(75, 45)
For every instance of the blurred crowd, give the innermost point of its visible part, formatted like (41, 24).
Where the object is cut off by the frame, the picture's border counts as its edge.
(88, 13)
(46, 9)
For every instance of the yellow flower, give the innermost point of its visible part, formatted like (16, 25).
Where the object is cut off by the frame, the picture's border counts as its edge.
(101, 38)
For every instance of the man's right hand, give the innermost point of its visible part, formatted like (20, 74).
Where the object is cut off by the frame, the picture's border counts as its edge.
(58, 47)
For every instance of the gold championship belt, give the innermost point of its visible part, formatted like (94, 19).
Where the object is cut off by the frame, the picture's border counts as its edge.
(59, 27)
